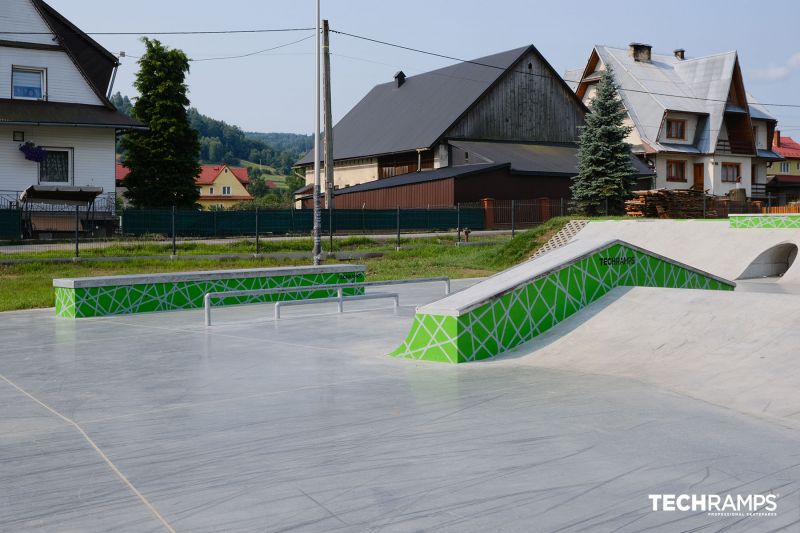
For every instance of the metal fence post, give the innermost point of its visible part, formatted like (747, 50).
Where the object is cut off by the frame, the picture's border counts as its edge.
(704, 205)
(458, 220)
(258, 242)
(513, 218)
(397, 248)
(330, 229)
(291, 220)
(77, 225)
(364, 218)
(174, 244)
(563, 212)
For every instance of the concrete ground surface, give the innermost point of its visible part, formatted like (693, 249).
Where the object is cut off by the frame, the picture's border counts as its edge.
(154, 423)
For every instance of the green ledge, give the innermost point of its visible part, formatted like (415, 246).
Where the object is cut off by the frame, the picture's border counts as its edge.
(118, 295)
(523, 302)
(767, 221)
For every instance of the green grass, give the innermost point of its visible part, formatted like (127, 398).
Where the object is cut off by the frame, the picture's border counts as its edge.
(29, 285)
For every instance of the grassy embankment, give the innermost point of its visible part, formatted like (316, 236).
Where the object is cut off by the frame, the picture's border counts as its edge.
(29, 285)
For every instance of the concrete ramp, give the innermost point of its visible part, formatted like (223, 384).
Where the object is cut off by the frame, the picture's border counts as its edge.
(518, 304)
(715, 246)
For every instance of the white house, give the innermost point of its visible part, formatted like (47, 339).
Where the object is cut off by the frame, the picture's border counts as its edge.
(691, 118)
(54, 87)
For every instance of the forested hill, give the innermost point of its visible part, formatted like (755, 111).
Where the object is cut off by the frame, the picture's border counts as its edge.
(221, 142)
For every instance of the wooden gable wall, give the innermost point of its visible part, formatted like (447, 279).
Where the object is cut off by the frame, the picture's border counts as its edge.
(529, 103)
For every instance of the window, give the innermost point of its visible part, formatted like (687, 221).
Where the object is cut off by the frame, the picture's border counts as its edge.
(211, 190)
(676, 129)
(784, 166)
(56, 167)
(731, 172)
(676, 170)
(226, 190)
(798, 165)
(28, 83)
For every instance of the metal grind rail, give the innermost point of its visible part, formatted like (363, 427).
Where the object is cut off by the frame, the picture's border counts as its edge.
(311, 288)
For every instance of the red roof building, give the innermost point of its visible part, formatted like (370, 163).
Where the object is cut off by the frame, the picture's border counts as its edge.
(208, 174)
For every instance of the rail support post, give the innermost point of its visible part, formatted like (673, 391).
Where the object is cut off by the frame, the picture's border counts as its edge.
(340, 303)
(207, 308)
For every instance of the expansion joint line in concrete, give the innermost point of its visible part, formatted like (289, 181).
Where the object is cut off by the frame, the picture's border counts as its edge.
(97, 449)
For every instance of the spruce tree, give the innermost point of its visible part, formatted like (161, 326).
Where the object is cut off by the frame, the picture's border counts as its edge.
(604, 165)
(162, 160)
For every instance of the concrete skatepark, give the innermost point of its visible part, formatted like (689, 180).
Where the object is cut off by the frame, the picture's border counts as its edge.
(305, 425)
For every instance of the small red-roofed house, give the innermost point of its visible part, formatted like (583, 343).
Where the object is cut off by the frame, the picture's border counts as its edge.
(220, 185)
(784, 176)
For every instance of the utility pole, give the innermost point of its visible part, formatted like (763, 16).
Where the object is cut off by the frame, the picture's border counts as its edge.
(317, 228)
(328, 125)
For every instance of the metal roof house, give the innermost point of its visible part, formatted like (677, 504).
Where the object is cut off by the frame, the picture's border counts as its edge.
(503, 126)
(692, 119)
(54, 85)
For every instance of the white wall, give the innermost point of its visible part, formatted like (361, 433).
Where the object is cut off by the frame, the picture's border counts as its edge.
(346, 173)
(691, 128)
(20, 15)
(93, 155)
(712, 172)
(761, 134)
(721, 188)
(65, 83)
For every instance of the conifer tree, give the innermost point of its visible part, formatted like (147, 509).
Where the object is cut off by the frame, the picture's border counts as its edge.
(163, 160)
(604, 179)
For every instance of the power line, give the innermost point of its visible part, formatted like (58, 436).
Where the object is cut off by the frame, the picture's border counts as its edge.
(195, 32)
(452, 58)
(248, 54)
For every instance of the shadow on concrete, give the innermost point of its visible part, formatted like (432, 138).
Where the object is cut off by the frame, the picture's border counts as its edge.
(563, 328)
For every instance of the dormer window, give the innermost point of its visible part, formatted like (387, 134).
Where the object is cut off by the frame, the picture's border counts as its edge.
(28, 83)
(676, 129)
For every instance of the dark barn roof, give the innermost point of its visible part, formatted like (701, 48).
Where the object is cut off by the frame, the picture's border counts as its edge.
(422, 176)
(536, 158)
(391, 119)
(524, 159)
(41, 113)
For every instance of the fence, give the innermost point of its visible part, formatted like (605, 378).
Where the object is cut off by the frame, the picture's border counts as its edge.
(212, 224)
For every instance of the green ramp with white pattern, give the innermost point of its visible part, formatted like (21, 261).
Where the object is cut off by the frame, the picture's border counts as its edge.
(518, 304)
(146, 293)
(765, 221)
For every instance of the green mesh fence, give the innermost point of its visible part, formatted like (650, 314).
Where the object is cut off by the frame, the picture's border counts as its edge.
(282, 221)
(10, 223)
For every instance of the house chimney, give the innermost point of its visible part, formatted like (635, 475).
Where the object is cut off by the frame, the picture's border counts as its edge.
(399, 78)
(639, 51)
(776, 138)
(680, 53)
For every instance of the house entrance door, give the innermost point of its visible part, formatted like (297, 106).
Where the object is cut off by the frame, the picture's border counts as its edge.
(699, 177)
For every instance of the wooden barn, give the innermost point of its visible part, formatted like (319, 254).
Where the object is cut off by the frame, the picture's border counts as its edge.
(502, 126)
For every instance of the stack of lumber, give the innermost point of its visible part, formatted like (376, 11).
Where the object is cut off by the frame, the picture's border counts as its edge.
(668, 203)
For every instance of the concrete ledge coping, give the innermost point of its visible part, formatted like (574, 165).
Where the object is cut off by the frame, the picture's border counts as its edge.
(203, 275)
(464, 301)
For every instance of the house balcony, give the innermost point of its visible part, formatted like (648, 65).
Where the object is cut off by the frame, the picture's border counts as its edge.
(725, 146)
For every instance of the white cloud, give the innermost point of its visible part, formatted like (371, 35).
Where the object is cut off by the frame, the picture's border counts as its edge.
(779, 72)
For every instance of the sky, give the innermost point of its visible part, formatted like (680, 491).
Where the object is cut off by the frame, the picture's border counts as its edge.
(274, 91)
